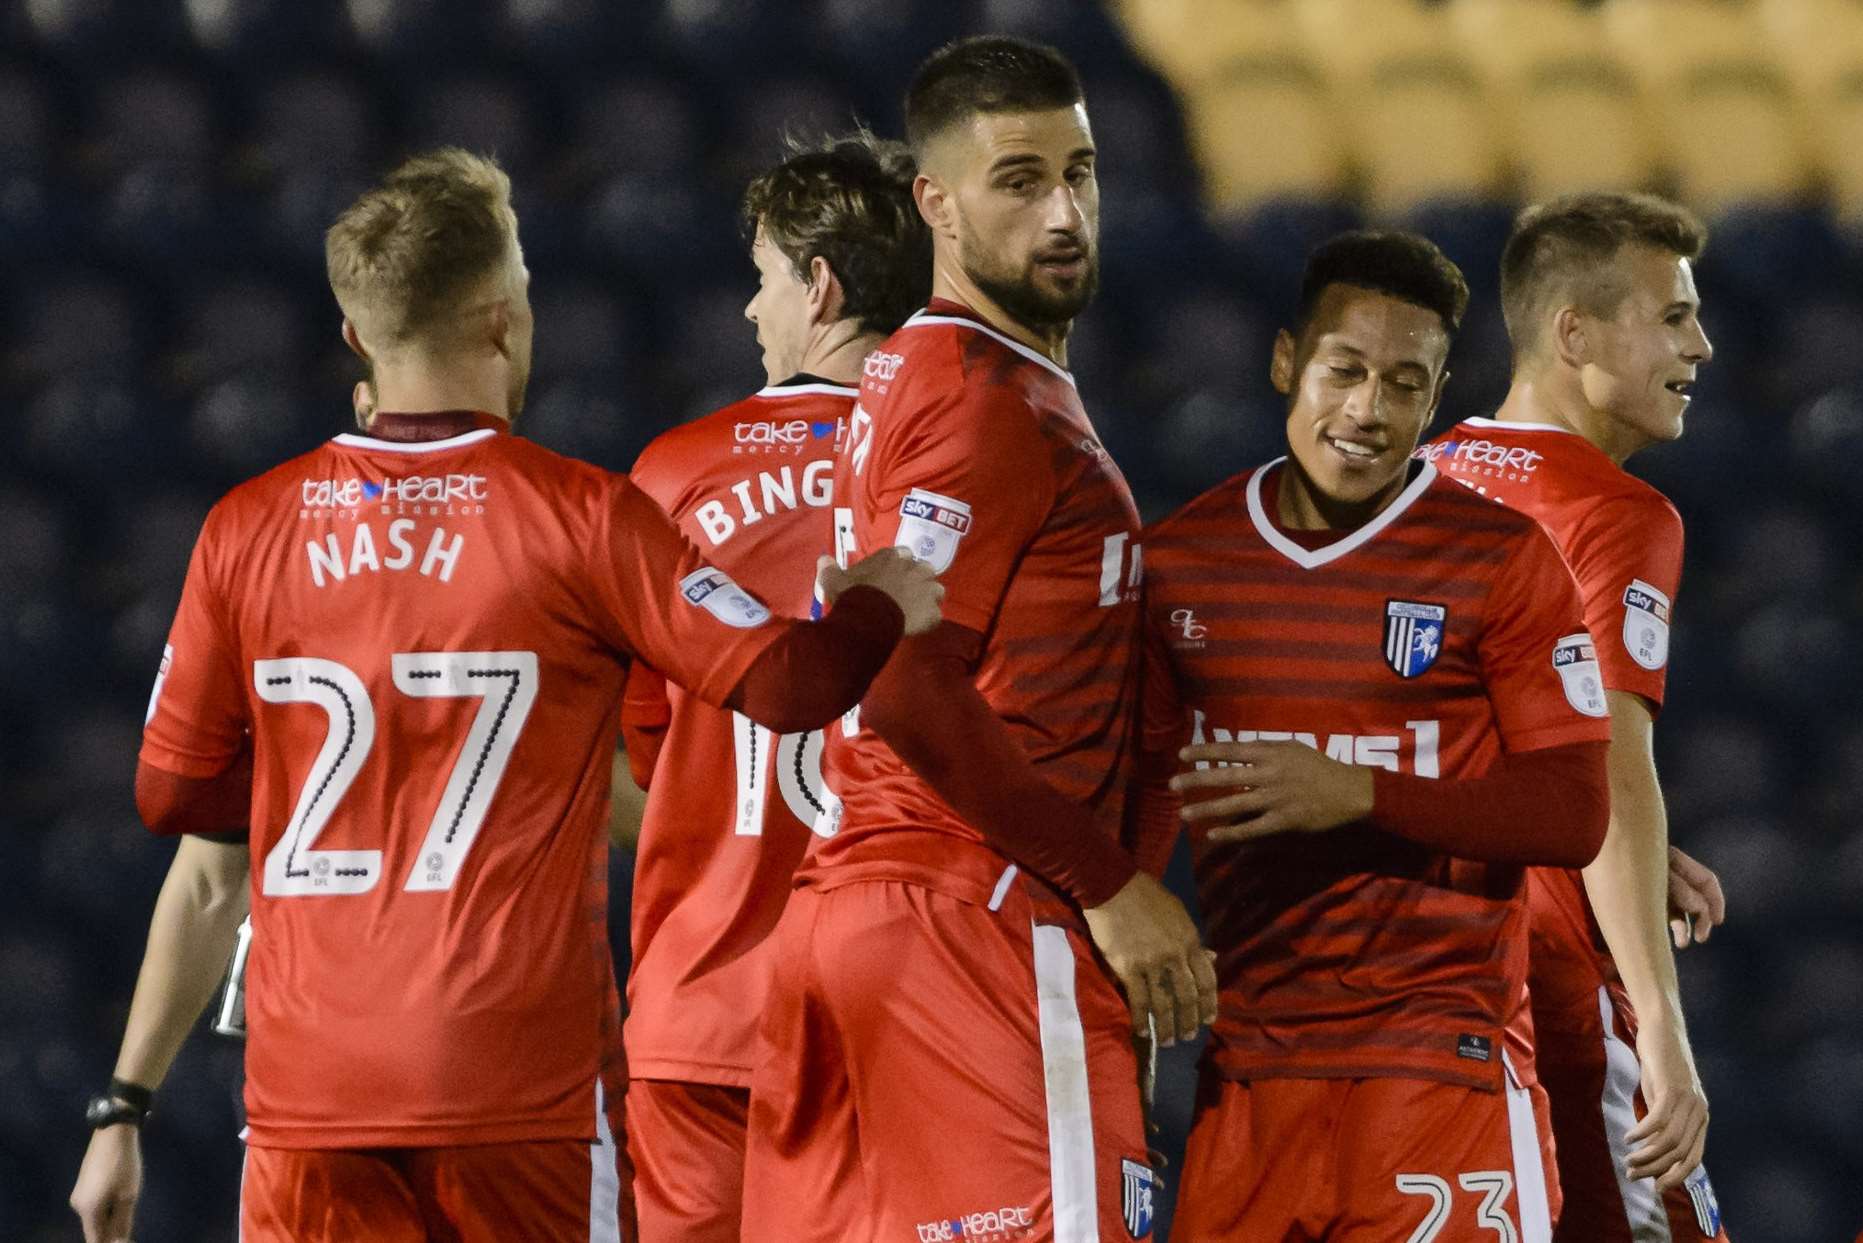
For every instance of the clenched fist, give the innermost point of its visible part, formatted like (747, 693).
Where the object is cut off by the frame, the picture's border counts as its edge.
(912, 584)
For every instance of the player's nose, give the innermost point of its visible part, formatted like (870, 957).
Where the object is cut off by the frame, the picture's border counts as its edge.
(1700, 350)
(1064, 214)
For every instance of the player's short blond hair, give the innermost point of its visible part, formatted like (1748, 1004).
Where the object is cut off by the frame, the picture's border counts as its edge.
(1564, 252)
(408, 252)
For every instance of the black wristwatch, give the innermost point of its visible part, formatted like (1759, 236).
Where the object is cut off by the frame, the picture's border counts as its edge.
(124, 1102)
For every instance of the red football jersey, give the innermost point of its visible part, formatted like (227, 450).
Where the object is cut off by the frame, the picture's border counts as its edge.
(1623, 540)
(1432, 639)
(730, 805)
(427, 644)
(973, 451)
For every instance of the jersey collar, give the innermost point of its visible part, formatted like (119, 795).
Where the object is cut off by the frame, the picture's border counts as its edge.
(1313, 558)
(945, 311)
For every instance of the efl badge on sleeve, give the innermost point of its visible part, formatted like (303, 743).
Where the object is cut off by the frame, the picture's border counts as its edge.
(931, 526)
(1135, 1196)
(1413, 636)
(1646, 624)
(713, 591)
(1701, 1196)
(1577, 662)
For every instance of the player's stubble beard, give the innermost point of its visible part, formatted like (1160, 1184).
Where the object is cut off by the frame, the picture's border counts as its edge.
(1021, 298)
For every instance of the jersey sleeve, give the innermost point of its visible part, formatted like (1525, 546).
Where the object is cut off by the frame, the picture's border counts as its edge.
(1537, 659)
(197, 717)
(1629, 567)
(965, 485)
(658, 599)
(646, 714)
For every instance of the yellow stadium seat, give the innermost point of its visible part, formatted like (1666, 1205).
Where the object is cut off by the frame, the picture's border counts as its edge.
(1347, 39)
(1840, 146)
(1193, 41)
(1663, 41)
(1731, 135)
(1816, 42)
(1266, 131)
(1577, 126)
(1423, 132)
(1505, 40)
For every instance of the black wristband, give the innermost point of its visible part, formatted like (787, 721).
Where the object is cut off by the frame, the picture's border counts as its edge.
(133, 1094)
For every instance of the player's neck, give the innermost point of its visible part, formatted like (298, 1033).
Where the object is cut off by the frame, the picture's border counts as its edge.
(839, 353)
(429, 388)
(1543, 399)
(950, 283)
(1300, 506)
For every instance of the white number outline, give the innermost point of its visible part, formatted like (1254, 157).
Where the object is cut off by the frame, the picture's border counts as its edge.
(1437, 1190)
(292, 868)
(490, 739)
(1491, 1214)
(798, 762)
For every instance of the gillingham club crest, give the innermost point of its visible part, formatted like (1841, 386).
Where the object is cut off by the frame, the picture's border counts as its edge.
(1135, 1196)
(1413, 636)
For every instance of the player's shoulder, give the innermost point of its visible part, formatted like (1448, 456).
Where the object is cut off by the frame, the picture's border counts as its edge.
(1463, 516)
(948, 356)
(1214, 514)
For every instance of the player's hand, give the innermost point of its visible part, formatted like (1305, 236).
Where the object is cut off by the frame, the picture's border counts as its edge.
(108, 1183)
(1668, 1143)
(912, 584)
(1150, 942)
(1696, 903)
(1268, 788)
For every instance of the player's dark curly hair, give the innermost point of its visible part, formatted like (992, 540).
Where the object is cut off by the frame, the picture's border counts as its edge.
(986, 73)
(1408, 266)
(848, 200)
(1563, 253)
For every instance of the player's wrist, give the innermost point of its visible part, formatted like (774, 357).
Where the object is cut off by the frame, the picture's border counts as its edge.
(123, 1103)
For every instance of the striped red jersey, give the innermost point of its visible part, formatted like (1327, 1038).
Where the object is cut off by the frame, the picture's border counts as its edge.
(427, 643)
(973, 451)
(1623, 541)
(1430, 640)
(729, 804)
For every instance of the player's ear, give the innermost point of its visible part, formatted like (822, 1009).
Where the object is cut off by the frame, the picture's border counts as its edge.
(498, 325)
(935, 205)
(353, 340)
(1570, 343)
(826, 296)
(1281, 363)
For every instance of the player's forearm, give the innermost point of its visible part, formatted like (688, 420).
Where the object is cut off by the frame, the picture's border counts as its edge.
(1545, 808)
(1628, 883)
(816, 671)
(925, 706)
(1152, 819)
(191, 936)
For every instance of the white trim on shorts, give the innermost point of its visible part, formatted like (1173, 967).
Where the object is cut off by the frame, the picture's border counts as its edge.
(1523, 1134)
(1643, 1208)
(1075, 1189)
(604, 1177)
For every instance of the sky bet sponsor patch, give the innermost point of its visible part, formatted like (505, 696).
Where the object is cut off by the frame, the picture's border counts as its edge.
(1577, 662)
(1646, 625)
(713, 591)
(931, 527)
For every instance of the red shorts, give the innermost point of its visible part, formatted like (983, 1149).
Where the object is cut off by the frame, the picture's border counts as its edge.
(1588, 1065)
(935, 1069)
(545, 1191)
(1362, 1161)
(687, 1141)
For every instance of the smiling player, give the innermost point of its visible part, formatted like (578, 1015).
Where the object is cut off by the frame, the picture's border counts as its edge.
(1599, 295)
(1386, 684)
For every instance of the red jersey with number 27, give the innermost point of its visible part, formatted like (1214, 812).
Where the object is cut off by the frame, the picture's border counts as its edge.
(427, 643)
(1434, 638)
(973, 452)
(1623, 541)
(729, 804)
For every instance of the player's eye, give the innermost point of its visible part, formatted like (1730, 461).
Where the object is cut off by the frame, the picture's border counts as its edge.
(1079, 174)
